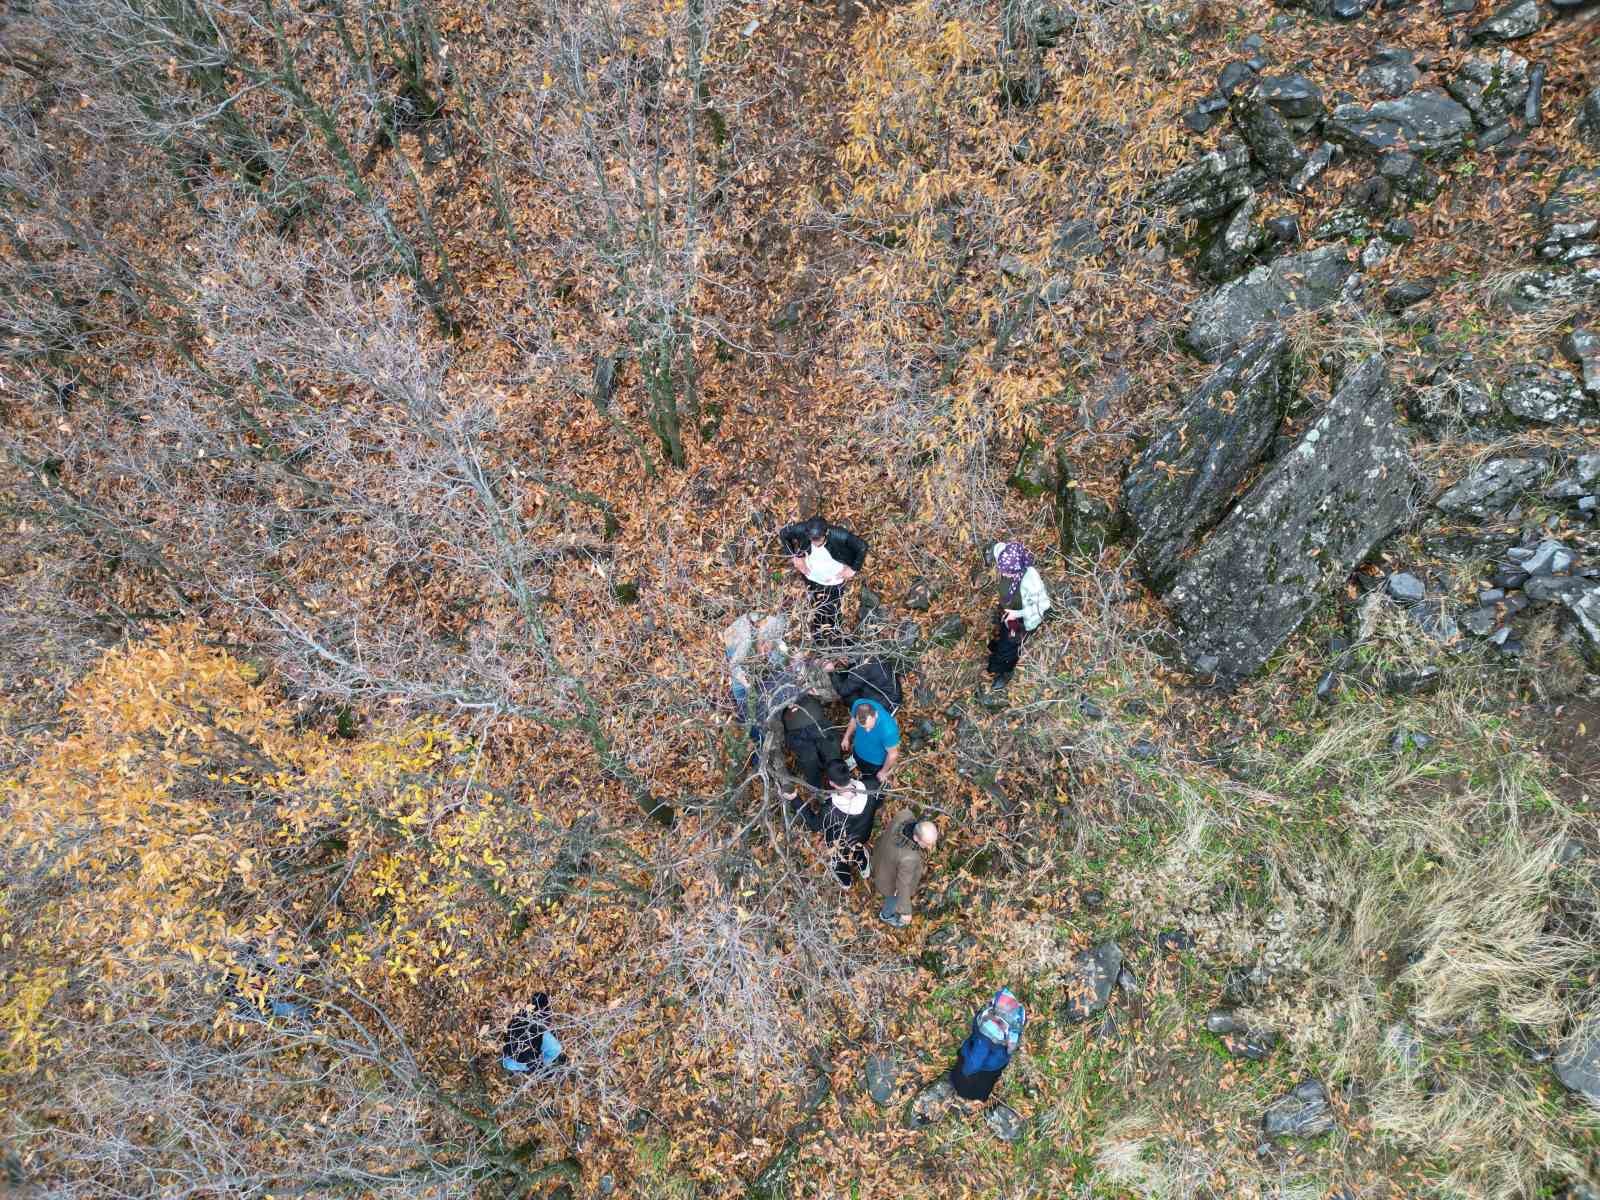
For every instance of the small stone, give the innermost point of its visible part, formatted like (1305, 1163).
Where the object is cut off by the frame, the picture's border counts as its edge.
(1091, 710)
(1480, 622)
(1316, 163)
(1546, 395)
(1413, 683)
(1234, 76)
(1400, 230)
(1285, 229)
(1491, 595)
(1304, 1112)
(1375, 252)
(1004, 1121)
(1371, 196)
(949, 630)
(919, 597)
(1589, 118)
(1326, 685)
(1408, 739)
(1143, 751)
(1516, 20)
(1533, 103)
(1492, 488)
(1550, 558)
(1295, 97)
(1254, 1044)
(1093, 899)
(1391, 71)
(1222, 1021)
(1348, 10)
(882, 1071)
(1581, 346)
(1174, 941)
(1406, 587)
(1407, 293)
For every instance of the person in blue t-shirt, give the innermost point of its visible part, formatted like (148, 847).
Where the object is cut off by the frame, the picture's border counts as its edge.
(873, 736)
(529, 1043)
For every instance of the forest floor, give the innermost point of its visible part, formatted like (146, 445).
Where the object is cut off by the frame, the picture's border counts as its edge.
(1319, 844)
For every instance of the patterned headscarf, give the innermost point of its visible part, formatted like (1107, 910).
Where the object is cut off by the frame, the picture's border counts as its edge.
(1013, 559)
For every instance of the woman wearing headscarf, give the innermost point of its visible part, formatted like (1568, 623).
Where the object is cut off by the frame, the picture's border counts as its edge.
(1023, 602)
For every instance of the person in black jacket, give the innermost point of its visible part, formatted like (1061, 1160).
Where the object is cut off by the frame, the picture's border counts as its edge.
(802, 725)
(866, 679)
(826, 557)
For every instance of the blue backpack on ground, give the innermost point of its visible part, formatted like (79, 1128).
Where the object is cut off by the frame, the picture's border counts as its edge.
(996, 1034)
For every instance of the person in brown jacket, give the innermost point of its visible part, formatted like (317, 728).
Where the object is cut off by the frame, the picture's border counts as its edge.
(897, 863)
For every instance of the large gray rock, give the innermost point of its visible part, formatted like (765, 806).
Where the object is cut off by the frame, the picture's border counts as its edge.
(1544, 395)
(1577, 1062)
(1493, 487)
(1429, 124)
(1214, 184)
(1091, 982)
(1318, 512)
(1269, 293)
(1492, 88)
(1185, 478)
(1266, 133)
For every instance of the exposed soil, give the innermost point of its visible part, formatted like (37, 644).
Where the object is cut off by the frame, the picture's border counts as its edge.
(1573, 744)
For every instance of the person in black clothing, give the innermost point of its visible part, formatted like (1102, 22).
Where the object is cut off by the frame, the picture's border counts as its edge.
(802, 725)
(826, 557)
(867, 679)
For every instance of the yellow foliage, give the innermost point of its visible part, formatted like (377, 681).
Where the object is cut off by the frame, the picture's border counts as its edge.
(186, 817)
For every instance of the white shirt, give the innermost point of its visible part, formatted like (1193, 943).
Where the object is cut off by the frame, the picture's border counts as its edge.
(823, 568)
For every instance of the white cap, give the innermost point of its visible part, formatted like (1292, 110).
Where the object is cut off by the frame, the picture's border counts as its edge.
(851, 799)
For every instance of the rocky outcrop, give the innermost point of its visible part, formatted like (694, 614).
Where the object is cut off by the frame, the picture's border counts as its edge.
(1570, 218)
(1266, 133)
(1429, 124)
(1185, 478)
(1234, 245)
(1212, 185)
(1544, 395)
(1491, 89)
(1321, 509)
(1269, 293)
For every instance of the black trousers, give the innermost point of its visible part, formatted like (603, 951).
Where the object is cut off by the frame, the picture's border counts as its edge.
(811, 754)
(1005, 648)
(827, 601)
